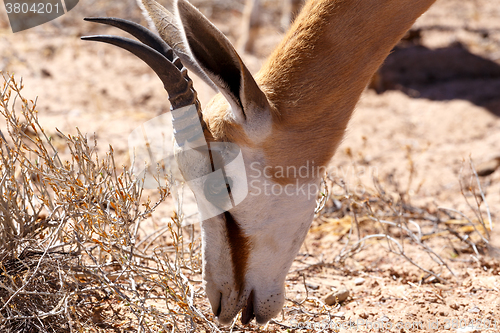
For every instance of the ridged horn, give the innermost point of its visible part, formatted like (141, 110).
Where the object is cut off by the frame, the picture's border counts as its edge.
(167, 65)
(139, 32)
(156, 53)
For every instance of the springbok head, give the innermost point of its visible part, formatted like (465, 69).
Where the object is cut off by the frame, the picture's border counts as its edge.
(281, 128)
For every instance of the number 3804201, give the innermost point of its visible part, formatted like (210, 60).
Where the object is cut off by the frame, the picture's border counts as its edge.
(35, 8)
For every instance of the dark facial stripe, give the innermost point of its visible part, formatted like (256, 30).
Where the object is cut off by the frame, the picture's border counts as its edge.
(239, 247)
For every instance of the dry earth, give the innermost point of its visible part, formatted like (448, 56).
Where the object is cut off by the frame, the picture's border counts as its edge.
(437, 105)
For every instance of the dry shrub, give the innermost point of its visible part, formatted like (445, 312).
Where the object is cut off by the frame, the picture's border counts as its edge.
(70, 256)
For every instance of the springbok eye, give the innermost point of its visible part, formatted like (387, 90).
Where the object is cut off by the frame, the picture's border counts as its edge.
(217, 189)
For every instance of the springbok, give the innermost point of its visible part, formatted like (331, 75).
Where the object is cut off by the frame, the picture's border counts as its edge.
(251, 20)
(286, 122)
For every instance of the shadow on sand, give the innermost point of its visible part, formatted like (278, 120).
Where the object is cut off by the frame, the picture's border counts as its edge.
(441, 74)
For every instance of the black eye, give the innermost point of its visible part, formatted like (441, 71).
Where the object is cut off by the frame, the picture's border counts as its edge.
(217, 189)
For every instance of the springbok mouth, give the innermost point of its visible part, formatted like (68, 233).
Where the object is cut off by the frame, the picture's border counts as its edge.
(247, 313)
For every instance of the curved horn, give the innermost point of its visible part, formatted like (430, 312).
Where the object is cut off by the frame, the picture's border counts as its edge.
(156, 42)
(176, 82)
(139, 32)
(165, 63)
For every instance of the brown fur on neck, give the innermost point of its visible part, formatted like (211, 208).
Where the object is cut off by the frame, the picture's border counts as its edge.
(315, 77)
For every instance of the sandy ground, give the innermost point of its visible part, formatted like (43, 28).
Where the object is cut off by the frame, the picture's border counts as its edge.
(436, 106)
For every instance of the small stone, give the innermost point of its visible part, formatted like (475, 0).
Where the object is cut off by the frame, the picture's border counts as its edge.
(312, 286)
(475, 309)
(337, 296)
(359, 281)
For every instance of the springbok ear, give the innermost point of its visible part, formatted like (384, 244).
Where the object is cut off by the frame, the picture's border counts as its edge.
(219, 60)
(166, 23)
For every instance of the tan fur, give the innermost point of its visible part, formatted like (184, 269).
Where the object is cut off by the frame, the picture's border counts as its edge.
(315, 77)
(219, 122)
